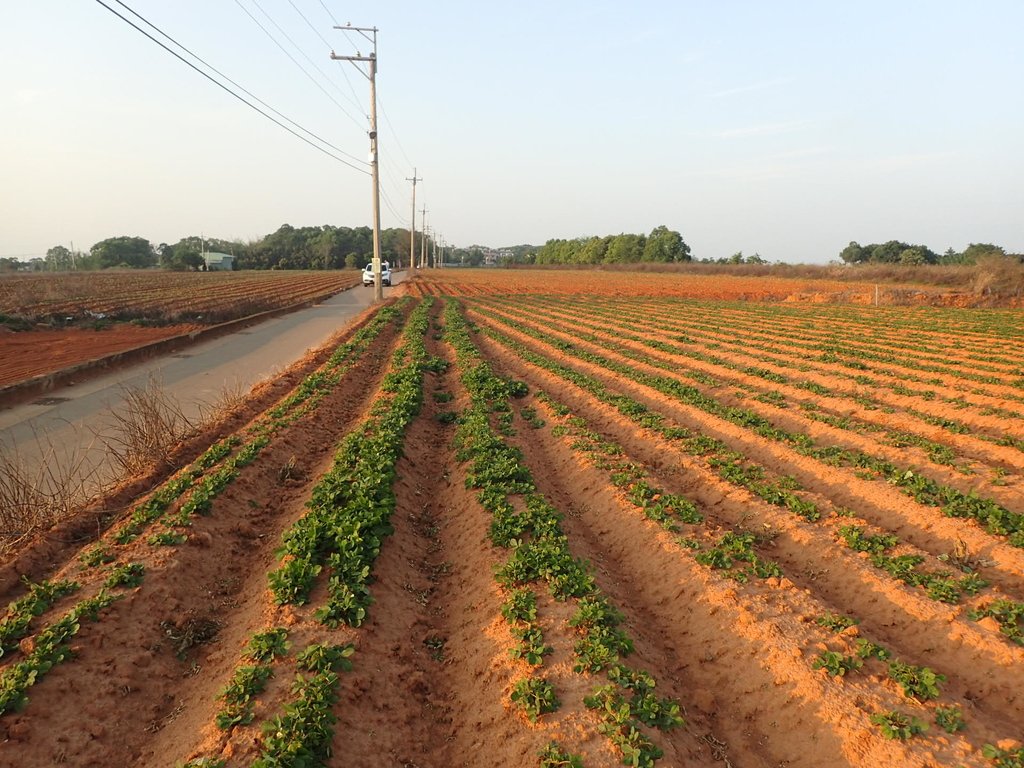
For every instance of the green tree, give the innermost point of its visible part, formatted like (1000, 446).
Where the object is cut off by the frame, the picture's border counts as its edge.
(59, 259)
(976, 251)
(854, 253)
(912, 256)
(123, 251)
(951, 256)
(625, 249)
(666, 245)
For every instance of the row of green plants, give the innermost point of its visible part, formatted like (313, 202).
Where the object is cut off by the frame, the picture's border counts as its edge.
(299, 403)
(740, 547)
(943, 586)
(348, 513)
(919, 684)
(995, 518)
(731, 466)
(20, 613)
(689, 346)
(938, 453)
(302, 734)
(832, 353)
(540, 552)
(885, 328)
(913, 677)
(49, 646)
(854, 345)
(733, 552)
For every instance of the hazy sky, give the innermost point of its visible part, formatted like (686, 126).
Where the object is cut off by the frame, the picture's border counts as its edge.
(786, 128)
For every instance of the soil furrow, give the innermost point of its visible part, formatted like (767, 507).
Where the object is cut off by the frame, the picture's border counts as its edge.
(922, 526)
(844, 406)
(147, 663)
(983, 666)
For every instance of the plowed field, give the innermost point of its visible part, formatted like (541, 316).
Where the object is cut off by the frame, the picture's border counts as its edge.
(554, 529)
(82, 317)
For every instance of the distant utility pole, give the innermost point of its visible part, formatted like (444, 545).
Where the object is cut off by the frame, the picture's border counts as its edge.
(423, 238)
(412, 232)
(434, 242)
(378, 289)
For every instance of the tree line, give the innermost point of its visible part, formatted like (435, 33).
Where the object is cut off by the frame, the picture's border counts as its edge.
(661, 245)
(898, 252)
(324, 247)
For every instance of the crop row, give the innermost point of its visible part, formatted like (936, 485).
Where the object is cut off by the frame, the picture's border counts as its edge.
(735, 549)
(938, 453)
(831, 351)
(995, 518)
(663, 334)
(738, 549)
(207, 297)
(218, 465)
(734, 469)
(339, 535)
(524, 522)
(916, 683)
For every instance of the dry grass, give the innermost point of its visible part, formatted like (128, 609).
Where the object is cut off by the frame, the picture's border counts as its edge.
(35, 496)
(146, 428)
(43, 484)
(992, 276)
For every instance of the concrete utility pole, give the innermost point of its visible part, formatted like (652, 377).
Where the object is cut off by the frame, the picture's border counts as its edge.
(412, 232)
(378, 289)
(436, 265)
(423, 238)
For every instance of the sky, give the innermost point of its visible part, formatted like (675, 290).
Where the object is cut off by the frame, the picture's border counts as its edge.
(786, 128)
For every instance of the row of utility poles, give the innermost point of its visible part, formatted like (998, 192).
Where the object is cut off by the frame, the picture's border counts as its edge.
(370, 34)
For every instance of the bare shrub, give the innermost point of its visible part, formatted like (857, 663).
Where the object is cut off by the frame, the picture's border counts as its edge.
(36, 494)
(999, 276)
(146, 428)
(230, 399)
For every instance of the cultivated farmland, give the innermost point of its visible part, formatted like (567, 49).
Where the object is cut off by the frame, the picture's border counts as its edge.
(161, 297)
(49, 322)
(523, 526)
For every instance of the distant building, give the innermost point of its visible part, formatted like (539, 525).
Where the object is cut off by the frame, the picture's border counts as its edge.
(218, 261)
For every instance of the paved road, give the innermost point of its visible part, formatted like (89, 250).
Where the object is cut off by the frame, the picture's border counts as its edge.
(65, 430)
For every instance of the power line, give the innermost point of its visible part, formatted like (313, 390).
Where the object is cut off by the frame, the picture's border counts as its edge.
(324, 6)
(344, 74)
(394, 133)
(219, 84)
(390, 206)
(295, 61)
(239, 86)
(355, 97)
(380, 102)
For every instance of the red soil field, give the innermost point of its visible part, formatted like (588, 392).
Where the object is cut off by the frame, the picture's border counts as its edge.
(65, 307)
(573, 282)
(36, 353)
(603, 526)
(163, 296)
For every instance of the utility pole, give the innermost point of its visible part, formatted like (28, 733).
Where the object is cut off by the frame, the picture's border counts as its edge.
(412, 232)
(423, 238)
(434, 242)
(378, 289)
